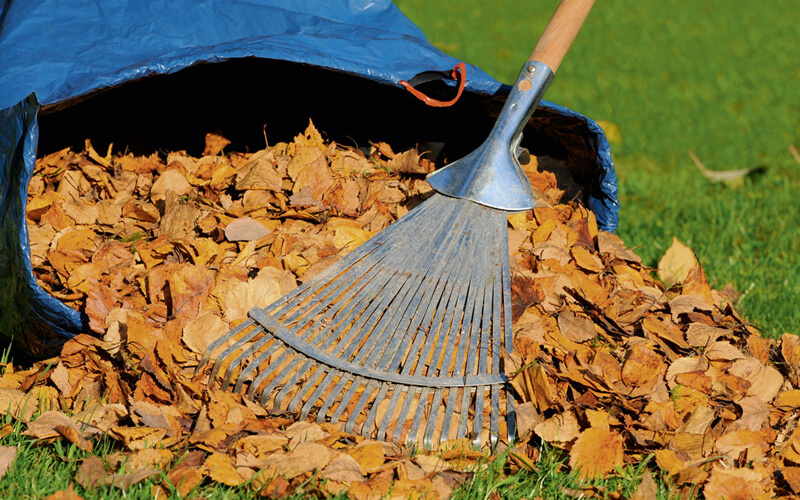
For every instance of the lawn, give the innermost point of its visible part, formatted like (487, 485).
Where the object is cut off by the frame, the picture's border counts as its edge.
(719, 78)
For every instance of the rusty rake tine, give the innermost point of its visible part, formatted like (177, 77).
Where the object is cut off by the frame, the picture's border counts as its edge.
(253, 365)
(266, 372)
(373, 411)
(332, 398)
(279, 377)
(220, 341)
(403, 416)
(309, 404)
(342, 406)
(362, 401)
(287, 386)
(430, 429)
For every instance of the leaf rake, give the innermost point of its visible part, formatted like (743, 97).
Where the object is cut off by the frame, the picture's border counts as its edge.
(404, 338)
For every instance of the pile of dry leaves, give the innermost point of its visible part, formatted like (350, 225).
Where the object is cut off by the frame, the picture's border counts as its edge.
(166, 255)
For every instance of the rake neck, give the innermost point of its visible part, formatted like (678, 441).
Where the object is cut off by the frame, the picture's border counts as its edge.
(491, 175)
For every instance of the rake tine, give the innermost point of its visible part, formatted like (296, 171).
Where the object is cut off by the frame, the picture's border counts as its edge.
(220, 341)
(480, 399)
(511, 419)
(431, 427)
(456, 317)
(342, 406)
(286, 372)
(387, 417)
(421, 407)
(494, 425)
(377, 244)
(362, 401)
(375, 308)
(332, 398)
(289, 384)
(253, 365)
(244, 355)
(266, 372)
(309, 404)
(403, 416)
(497, 304)
(319, 373)
(395, 319)
(373, 412)
(465, 399)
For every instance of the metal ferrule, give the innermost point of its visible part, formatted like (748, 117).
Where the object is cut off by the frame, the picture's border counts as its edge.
(491, 175)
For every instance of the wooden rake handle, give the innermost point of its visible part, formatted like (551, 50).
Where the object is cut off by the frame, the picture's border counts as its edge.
(560, 32)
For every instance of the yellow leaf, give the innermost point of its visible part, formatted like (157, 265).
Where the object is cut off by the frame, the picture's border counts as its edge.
(219, 467)
(597, 452)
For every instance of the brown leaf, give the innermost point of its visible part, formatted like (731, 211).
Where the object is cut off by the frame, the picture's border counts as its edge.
(735, 484)
(408, 163)
(68, 494)
(559, 429)
(200, 332)
(245, 229)
(597, 452)
(647, 489)
(676, 263)
(7, 455)
(641, 366)
(215, 143)
(305, 457)
(576, 327)
(170, 181)
(92, 473)
(343, 468)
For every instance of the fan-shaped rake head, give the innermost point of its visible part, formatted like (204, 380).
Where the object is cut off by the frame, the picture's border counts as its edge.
(402, 339)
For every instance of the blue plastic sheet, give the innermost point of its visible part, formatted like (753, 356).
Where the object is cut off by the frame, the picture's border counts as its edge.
(64, 50)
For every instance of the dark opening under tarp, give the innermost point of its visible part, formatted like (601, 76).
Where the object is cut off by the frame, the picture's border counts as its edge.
(87, 60)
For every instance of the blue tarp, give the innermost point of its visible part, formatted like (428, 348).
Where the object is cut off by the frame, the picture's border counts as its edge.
(62, 50)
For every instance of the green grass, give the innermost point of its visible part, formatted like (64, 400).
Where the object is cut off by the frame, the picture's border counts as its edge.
(551, 482)
(720, 78)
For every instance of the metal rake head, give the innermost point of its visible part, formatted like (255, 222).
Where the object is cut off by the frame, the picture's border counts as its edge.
(402, 339)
